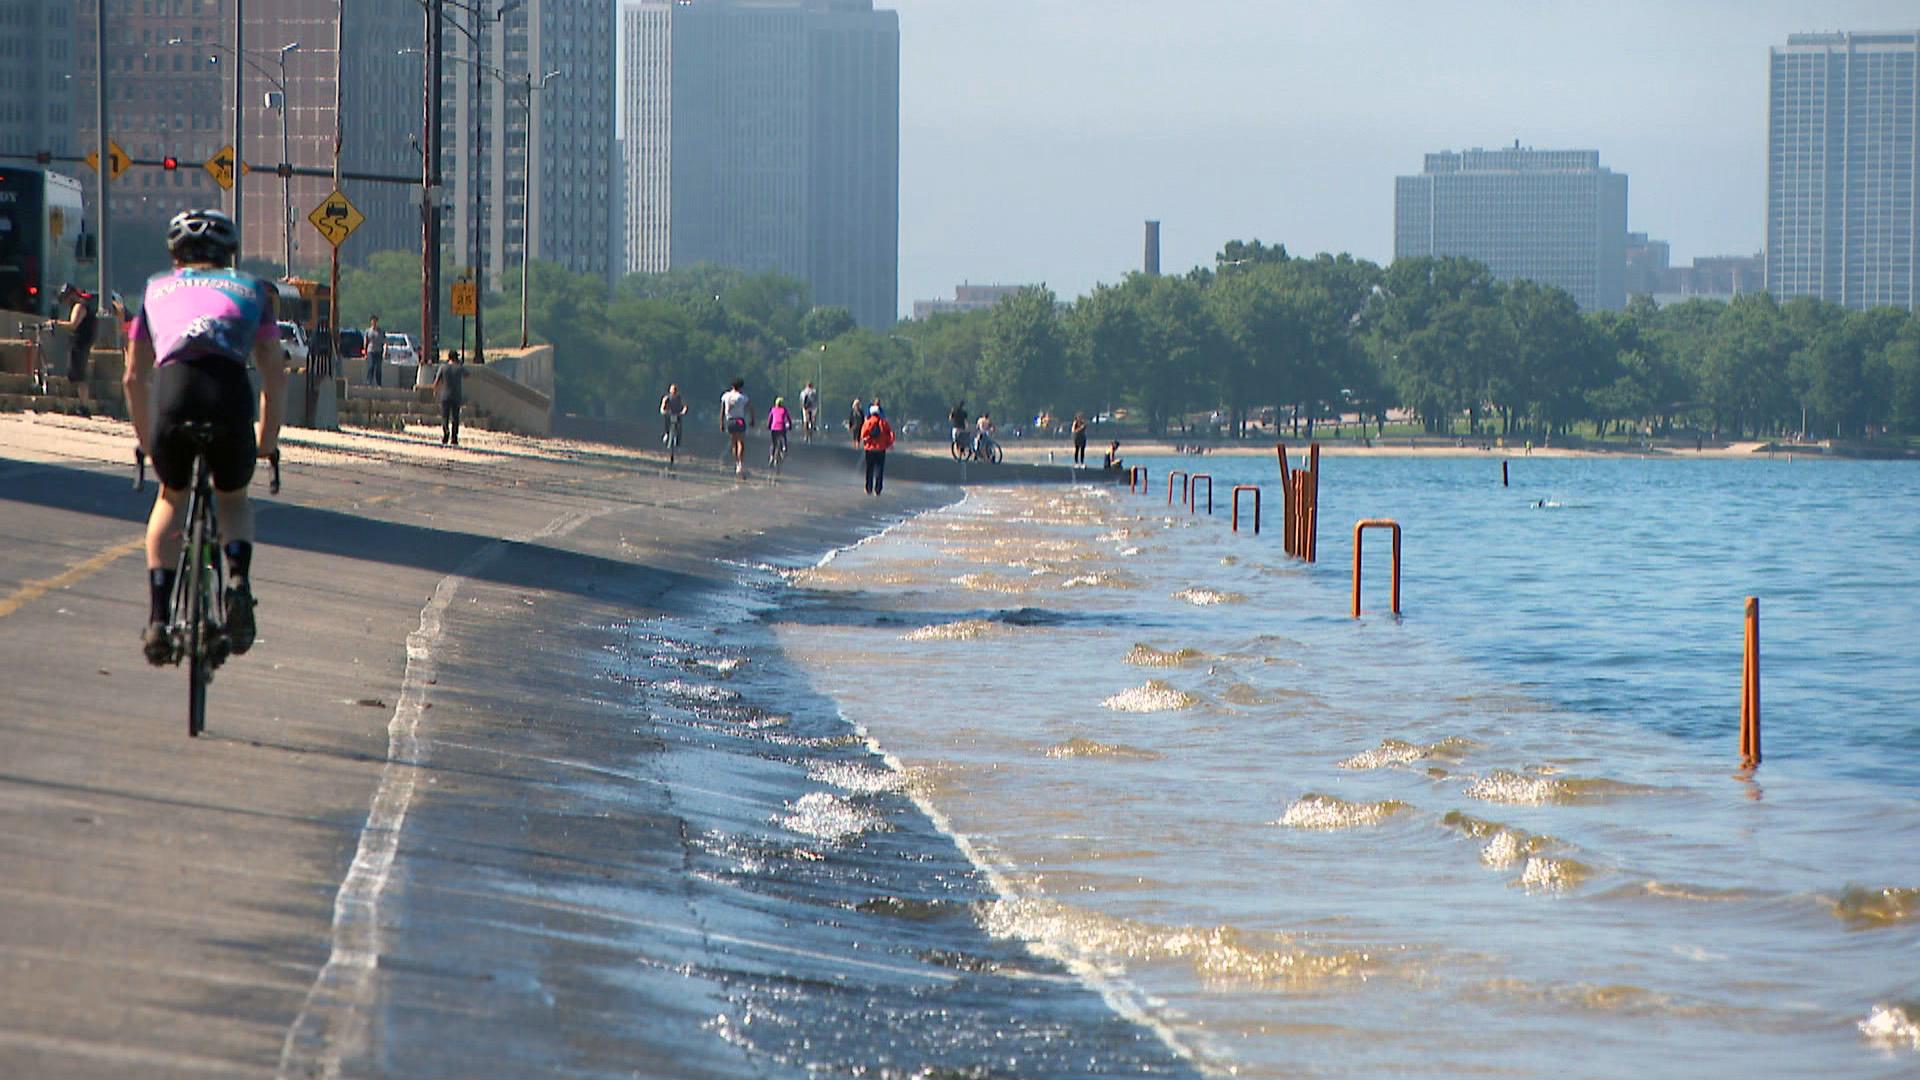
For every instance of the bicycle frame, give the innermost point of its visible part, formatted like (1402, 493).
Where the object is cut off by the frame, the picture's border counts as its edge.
(199, 599)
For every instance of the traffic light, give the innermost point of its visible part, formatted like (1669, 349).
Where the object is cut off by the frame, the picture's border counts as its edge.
(169, 163)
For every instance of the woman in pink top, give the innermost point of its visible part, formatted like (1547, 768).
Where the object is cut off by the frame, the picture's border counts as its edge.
(779, 423)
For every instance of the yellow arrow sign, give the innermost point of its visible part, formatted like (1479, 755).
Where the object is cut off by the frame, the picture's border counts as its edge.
(466, 298)
(117, 160)
(220, 166)
(336, 218)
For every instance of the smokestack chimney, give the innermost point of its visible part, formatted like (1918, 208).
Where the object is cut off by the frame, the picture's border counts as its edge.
(1152, 265)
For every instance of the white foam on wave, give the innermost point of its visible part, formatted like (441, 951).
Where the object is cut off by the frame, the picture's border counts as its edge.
(857, 779)
(963, 630)
(1892, 1027)
(1200, 597)
(1154, 696)
(826, 816)
(1327, 813)
(697, 691)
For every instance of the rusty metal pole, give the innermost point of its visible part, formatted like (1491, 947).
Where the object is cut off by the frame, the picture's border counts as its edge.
(1313, 503)
(1503, 475)
(1396, 569)
(1193, 493)
(1171, 473)
(1359, 531)
(1750, 688)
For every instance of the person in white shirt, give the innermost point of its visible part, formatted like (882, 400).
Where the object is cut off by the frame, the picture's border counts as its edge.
(736, 416)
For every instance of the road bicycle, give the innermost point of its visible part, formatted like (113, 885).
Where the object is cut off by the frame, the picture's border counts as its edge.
(40, 361)
(979, 448)
(197, 622)
(672, 439)
(777, 452)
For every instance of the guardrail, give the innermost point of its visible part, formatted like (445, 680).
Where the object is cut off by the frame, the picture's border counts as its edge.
(1193, 491)
(1359, 531)
(1237, 489)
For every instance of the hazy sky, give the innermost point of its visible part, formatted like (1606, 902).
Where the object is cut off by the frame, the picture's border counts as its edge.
(1037, 135)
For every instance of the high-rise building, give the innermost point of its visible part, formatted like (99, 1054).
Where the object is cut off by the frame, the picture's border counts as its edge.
(162, 99)
(1555, 217)
(382, 104)
(765, 135)
(1843, 161)
(38, 55)
(541, 75)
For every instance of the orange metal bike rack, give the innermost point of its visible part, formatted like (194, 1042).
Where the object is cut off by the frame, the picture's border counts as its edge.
(1193, 491)
(1184, 481)
(1750, 689)
(1137, 479)
(1237, 489)
(1359, 528)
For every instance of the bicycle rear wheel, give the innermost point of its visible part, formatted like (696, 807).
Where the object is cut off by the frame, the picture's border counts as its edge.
(196, 584)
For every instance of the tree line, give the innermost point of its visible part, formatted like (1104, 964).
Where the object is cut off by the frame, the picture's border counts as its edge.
(1313, 338)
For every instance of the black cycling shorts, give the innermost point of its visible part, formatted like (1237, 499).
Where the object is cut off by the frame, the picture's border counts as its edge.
(215, 390)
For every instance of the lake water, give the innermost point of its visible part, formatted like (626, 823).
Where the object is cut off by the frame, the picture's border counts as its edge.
(1505, 833)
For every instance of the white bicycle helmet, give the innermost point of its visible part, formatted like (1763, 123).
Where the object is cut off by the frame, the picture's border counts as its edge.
(202, 236)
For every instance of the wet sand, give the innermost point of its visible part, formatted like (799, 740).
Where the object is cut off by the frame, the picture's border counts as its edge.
(425, 833)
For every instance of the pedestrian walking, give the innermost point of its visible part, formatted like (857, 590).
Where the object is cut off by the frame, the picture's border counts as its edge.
(449, 385)
(1079, 438)
(856, 416)
(876, 435)
(376, 351)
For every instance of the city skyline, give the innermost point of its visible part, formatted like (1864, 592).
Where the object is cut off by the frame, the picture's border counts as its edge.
(1233, 119)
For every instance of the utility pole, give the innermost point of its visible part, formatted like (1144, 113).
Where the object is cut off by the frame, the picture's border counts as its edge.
(101, 139)
(333, 276)
(430, 188)
(239, 110)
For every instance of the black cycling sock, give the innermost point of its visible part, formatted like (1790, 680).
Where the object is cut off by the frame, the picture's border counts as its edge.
(159, 594)
(239, 561)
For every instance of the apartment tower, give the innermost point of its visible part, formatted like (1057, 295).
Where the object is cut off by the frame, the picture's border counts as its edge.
(1555, 217)
(1843, 154)
(764, 135)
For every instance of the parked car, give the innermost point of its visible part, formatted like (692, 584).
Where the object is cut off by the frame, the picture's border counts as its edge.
(400, 349)
(293, 342)
(353, 343)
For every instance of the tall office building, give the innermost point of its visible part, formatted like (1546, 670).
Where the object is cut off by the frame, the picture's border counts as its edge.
(162, 99)
(38, 54)
(541, 75)
(765, 135)
(1551, 216)
(382, 105)
(1843, 157)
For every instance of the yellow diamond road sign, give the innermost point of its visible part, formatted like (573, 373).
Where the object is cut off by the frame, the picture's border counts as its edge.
(336, 218)
(220, 166)
(117, 160)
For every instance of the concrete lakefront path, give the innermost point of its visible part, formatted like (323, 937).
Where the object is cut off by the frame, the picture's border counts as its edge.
(450, 817)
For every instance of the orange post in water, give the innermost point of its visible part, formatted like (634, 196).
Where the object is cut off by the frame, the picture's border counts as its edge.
(1184, 481)
(1750, 689)
(1137, 479)
(1311, 546)
(1193, 492)
(1237, 489)
(1359, 528)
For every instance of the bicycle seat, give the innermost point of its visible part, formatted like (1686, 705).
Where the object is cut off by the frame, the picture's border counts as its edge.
(201, 432)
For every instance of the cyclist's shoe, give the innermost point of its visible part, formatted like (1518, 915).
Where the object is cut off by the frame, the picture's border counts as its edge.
(240, 628)
(157, 643)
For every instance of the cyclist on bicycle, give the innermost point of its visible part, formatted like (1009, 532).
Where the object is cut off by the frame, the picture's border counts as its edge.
(957, 416)
(983, 440)
(779, 423)
(673, 410)
(197, 329)
(810, 409)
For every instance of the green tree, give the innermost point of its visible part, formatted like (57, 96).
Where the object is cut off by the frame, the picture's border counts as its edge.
(1024, 353)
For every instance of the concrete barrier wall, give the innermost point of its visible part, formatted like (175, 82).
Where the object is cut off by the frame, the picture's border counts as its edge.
(517, 408)
(531, 367)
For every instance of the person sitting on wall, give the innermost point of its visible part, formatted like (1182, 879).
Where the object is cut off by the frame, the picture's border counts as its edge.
(1112, 461)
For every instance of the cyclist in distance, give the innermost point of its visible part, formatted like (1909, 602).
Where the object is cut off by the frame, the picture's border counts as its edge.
(673, 412)
(187, 355)
(810, 409)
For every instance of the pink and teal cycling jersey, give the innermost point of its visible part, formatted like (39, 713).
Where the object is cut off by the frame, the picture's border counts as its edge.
(779, 419)
(191, 313)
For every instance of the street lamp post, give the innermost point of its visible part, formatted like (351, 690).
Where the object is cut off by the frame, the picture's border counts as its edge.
(276, 101)
(528, 86)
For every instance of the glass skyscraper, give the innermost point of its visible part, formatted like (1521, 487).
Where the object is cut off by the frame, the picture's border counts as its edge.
(1843, 151)
(1555, 217)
